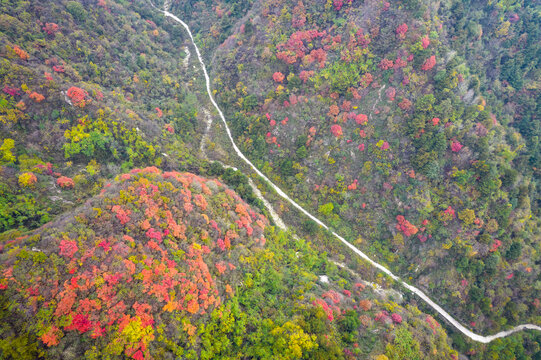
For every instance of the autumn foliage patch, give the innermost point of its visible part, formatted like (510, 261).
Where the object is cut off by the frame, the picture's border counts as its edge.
(65, 182)
(429, 63)
(278, 77)
(407, 228)
(111, 285)
(51, 28)
(77, 96)
(20, 53)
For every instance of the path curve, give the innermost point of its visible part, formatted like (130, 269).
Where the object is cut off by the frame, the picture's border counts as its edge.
(413, 289)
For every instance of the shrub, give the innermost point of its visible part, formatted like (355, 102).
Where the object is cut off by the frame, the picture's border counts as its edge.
(27, 179)
(77, 96)
(326, 209)
(467, 216)
(6, 156)
(429, 63)
(65, 182)
(278, 77)
(20, 52)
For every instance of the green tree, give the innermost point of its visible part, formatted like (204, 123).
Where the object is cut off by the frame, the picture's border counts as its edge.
(289, 341)
(326, 209)
(425, 103)
(514, 251)
(6, 156)
(76, 10)
(349, 324)
(301, 152)
(467, 216)
(250, 102)
(404, 346)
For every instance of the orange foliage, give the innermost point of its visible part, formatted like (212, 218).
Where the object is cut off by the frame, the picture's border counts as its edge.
(278, 77)
(405, 104)
(401, 30)
(405, 226)
(425, 41)
(334, 110)
(65, 304)
(366, 80)
(65, 182)
(336, 130)
(27, 179)
(386, 64)
(221, 267)
(36, 97)
(193, 306)
(50, 28)
(365, 304)
(51, 336)
(20, 52)
(190, 329)
(305, 75)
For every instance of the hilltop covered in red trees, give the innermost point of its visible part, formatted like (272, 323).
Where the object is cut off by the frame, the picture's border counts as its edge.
(153, 251)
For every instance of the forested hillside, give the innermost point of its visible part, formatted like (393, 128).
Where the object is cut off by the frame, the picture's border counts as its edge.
(87, 92)
(410, 127)
(378, 117)
(162, 265)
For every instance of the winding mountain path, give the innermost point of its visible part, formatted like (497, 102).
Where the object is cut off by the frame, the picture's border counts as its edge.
(413, 289)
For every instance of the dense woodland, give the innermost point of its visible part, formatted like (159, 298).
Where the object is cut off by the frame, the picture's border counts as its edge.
(371, 116)
(410, 127)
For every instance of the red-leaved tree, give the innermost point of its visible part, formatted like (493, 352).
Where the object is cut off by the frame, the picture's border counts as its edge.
(425, 42)
(51, 28)
(278, 77)
(429, 63)
(77, 96)
(401, 30)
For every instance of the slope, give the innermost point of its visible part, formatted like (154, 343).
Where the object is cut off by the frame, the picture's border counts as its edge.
(87, 92)
(171, 264)
(365, 115)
